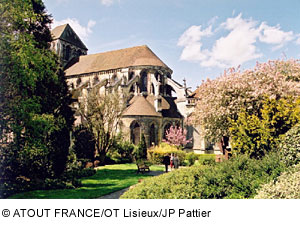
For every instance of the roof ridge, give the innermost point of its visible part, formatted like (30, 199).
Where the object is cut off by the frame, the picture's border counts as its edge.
(138, 46)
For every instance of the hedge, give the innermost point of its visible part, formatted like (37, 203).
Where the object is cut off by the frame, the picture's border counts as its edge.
(238, 177)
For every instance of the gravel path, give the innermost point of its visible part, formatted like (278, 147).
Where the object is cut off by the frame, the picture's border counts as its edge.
(117, 194)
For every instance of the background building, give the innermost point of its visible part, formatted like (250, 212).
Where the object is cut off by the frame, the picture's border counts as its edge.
(154, 100)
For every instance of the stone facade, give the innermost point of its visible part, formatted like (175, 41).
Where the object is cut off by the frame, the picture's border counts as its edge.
(135, 72)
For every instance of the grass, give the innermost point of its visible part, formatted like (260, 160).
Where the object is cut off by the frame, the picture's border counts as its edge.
(107, 179)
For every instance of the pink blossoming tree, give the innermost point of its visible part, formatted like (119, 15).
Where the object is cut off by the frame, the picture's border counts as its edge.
(222, 99)
(177, 136)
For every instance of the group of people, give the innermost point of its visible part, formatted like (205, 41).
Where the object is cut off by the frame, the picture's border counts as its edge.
(172, 160)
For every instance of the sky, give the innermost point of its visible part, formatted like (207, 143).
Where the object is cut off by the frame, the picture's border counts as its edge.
(197, 39)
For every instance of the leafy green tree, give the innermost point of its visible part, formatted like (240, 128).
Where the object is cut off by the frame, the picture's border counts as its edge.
(36, 118)
(256, 134)
(101, 114)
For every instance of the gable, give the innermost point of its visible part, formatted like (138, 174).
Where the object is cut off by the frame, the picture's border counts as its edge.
(66, 33)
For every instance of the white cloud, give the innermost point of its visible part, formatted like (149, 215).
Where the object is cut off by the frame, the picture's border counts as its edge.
(237, 45)
(273, 35)
(190, 40)
(107, 2)
(82, 31)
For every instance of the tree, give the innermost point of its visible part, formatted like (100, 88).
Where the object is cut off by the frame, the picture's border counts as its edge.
(224, 98)
(255, 135)
(177, 136)
(84, 143)
(140, 152)
(102, 115)
(36, 118)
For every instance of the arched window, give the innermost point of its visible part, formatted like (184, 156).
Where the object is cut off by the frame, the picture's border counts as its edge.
(143, 81)
(95, 80)
(135, 132)
(68, 52)
(130, 76)
(156, 76)
(114, 78)
(78, 81)
(152, 90)
(152, 135)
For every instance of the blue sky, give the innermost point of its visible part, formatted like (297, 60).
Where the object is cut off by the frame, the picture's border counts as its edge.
(197, 39)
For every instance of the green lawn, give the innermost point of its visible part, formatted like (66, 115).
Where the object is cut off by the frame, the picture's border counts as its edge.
(108, 179)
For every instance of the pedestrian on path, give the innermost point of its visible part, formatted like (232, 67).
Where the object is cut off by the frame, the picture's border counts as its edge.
(166, 161)
(172, 161)
(176, 162)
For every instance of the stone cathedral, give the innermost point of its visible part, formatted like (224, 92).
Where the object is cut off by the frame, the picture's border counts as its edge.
(137, 71)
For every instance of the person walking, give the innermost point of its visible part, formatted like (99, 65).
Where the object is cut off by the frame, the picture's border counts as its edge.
(176, 162)
(166, 161)
(172, 161)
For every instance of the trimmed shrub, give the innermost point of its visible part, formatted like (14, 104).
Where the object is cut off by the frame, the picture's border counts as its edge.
(190, 158)
(140, 152)
(286, 186)
(122, 152)
(84, 143)
(156, 154)
(238, 177)
(290, 146)
(206, 159)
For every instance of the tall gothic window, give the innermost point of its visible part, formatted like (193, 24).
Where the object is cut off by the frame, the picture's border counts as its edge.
(135, 132)
(68, 52)
(143, 81)
(152, 135)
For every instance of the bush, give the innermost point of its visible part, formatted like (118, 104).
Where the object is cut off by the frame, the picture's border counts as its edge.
(156, 154)
(286, 186)
(121, 152)
(140, 152)
(238, 177)
(290, 146)
(255, 134)
(190, 158)
(206, 159)
(84, 143)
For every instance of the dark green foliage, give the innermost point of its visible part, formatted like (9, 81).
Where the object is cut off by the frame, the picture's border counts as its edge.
(238, 177)
(190, 158)
(36, 119)
(122, 151)
(290, 146)
(84, 143)
(257, 134)
(141, 150)
(206, 159)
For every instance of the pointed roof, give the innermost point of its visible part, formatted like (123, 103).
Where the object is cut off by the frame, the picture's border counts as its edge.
(168, 106)
(123, 58)
(66, 33)
(140, 107)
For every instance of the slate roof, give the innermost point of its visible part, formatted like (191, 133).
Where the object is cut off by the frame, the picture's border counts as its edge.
(172, 111)
(140, 107)
(123, 58)
(66, 33)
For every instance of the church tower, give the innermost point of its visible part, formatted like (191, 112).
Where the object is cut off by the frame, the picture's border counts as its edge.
(67, 44)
